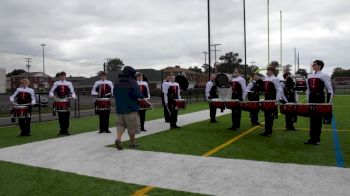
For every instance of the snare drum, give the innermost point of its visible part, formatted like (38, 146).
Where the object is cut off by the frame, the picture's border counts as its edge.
(20, 111)
(102, 104)
(217, 103)
(303, 109)
(144, 104)
(232, 104)
(322, 108)
(180, 104)
(268, 105)
(61, 105)
(249, 105)
(288, 108)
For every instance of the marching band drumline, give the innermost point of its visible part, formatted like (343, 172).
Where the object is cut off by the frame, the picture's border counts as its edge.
(217, 94)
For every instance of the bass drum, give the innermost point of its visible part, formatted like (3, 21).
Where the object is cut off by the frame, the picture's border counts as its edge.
(223, 80)
(183, 82)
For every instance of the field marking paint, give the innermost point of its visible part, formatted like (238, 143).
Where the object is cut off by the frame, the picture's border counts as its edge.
(216, 149)
(143, 191)
(338, 153)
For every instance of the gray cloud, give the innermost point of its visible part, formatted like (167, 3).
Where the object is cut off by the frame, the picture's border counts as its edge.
(157, 33)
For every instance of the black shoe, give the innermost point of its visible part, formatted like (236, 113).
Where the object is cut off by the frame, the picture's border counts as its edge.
(133, 145)
(290, 129)
(143, 130)
(312, 142)
(118, 145)
(108, 131)
(175, 127)
(232, 128)
(308, 142)
(213, 121)
(100, 132)
(256, 124)
(265, 134)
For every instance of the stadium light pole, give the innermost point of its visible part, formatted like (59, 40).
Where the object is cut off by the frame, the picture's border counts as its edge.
(268, 32)
(209, 53)
(245, 42)
(281, 41)
(43, 46)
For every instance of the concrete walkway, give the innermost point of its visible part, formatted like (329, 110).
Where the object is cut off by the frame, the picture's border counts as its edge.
(86, 154)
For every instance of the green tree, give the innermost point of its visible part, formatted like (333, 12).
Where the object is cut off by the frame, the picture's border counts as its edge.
(276, 65)
(196, 69)
(206, 68)
(229, 62)
(114, 64)
(15, 72)
(340, 72)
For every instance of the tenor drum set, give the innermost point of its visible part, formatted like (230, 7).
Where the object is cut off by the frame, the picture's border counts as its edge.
(307, 109)
(300, 109)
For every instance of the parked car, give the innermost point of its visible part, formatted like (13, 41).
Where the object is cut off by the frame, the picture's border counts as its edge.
(44, 101)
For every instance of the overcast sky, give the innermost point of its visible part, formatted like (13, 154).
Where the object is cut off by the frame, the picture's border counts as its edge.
(80, 34)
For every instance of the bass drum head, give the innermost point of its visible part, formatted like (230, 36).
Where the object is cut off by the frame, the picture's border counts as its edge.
(183, 82)
(222, 80)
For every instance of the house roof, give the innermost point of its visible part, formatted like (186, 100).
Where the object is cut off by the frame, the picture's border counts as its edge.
(31, 74)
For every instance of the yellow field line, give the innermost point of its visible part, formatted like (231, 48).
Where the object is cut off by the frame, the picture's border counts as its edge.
(143, 191)
(215, 150)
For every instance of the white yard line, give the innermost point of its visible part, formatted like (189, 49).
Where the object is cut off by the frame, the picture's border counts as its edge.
(86, 154)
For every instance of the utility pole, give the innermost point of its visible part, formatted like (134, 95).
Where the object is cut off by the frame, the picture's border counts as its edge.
(209, 53)
(215, 50)
(43, 45)
(252, 62)
(295, 60)
(28, 60)
(298, 62)
(205, 57)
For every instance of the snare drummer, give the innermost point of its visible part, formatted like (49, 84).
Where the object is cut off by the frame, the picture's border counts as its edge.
(253, 89)
(165, 107)
(24, 95)
(316, 82)
(171, 92)
(238, 92)
(273, 91)
(211, 93)
(143, 85)
(288, 87)
(103, 88)
(63, 89)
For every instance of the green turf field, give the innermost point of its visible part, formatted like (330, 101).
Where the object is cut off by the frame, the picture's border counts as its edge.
(283, 146)
(16, 179)
(49, 129)
(24, 180)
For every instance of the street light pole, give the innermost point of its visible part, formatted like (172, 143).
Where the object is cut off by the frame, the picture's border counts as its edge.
(245, 42)
(208, 5)
(43, 46)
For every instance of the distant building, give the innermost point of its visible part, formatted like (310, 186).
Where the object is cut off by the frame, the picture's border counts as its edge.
(36, 80)
(196, 80)
(2, 81)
